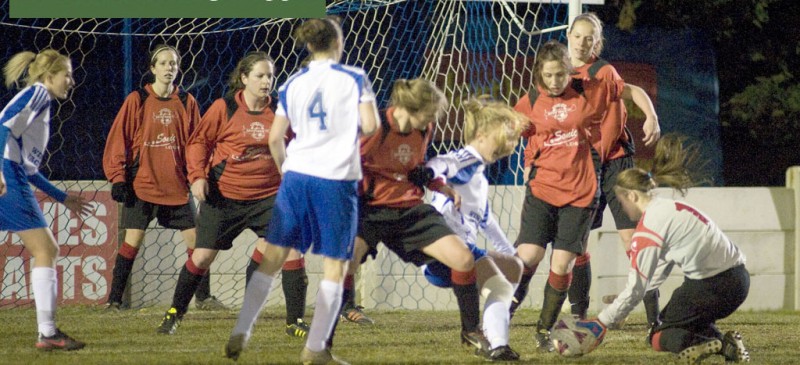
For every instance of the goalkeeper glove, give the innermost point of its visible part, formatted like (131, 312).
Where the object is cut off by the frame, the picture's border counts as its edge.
(122, 192)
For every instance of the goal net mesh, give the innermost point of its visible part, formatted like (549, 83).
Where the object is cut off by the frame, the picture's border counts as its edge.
(467, 48)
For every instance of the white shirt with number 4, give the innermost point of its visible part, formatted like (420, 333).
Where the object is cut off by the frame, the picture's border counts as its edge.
(321, 102)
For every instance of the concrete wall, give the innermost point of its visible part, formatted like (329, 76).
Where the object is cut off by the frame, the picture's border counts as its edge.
(761, 221)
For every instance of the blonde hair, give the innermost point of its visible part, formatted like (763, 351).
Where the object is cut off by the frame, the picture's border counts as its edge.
(319, 34)
(38, 66)
(673, 163)
(418, 95)
(597, 25)
(243, 67)
(493, 118)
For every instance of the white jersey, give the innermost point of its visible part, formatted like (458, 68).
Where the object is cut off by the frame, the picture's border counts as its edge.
(463, 170)
(27, 116)
(321, 102)
(671, 233)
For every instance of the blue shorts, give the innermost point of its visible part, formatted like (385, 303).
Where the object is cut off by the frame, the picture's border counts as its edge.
(316, 213)
(19, 210)
(438, 273)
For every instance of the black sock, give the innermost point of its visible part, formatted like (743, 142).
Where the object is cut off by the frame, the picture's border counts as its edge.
(579, 289)
(251, 268)
(122, 271)
(203, 291)
(295, 285)
(651, 306)
(553, 300)
(469, 306)
(522, 291)
(186, 287)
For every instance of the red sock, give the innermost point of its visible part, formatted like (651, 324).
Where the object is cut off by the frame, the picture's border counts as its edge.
(257, 256)
(559, 282)
(127, 251)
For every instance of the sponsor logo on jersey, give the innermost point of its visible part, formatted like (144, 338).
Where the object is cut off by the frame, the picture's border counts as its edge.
(560, 112)
(256, 130)
(253, 153)
(563, 138)
(163, 116)
(162, 140)
(403, 154)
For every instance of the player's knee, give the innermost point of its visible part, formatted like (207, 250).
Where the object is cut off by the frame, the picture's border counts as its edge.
(497, 288)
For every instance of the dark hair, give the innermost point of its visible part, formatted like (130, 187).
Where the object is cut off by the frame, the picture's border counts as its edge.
(674, 164)
(318, 34)
(243, 67)
(551, 51)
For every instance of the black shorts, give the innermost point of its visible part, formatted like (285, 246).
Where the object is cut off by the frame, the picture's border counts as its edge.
(405, 231)
(608, 197)
(221, 220)
(566, 227)
(138, 214)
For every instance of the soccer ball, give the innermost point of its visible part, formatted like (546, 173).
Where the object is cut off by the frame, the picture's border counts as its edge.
(572, 338)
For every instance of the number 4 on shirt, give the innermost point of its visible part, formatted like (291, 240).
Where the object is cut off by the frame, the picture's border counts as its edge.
(316, 110)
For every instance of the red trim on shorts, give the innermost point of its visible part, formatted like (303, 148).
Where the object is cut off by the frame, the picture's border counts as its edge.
(463, 277)
(257, 256)
(127, 251)
(294, 264)
(559, 282)
(190, 266)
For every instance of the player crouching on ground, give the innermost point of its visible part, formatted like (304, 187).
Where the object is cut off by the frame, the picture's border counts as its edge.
(673, 233)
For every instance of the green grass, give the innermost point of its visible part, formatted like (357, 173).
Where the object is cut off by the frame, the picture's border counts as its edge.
(407, 337)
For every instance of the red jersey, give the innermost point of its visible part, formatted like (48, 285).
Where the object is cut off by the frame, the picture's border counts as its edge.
(153, 133)
(607, 137)
(565, 173)
(386, 159)
(241, 143)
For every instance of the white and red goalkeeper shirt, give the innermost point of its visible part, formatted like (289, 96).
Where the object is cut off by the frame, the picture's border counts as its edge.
(671, 233)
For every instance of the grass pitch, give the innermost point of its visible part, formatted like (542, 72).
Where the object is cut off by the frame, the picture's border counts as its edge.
(399, 337)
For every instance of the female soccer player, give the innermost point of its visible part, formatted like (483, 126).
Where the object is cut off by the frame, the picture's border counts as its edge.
(234, 179)
(491, 132)
(615, 147)
(564, 180)
(145, 162)
(673, 233)
(328, 105)
(24, 131)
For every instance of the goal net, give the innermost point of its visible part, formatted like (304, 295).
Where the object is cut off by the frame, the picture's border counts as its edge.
(467, 48)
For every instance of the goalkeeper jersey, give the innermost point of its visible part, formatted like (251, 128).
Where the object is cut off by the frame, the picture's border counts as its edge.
(149, 137)
(236, 148)
(387, 157)
(671, 233)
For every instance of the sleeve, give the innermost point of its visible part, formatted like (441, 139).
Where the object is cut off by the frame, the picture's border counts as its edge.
(523, 106)
(202, 141)
(646, 263)
(3, 138)
(495, 234)
(193, 111)
(23, 108)
(365, 89)
(40, 182)
(120, 138)
(458, 166)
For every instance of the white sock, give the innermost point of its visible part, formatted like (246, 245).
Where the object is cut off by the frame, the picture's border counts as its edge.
(498, 293)
(329, 299)
(255, 296)
(45, 287)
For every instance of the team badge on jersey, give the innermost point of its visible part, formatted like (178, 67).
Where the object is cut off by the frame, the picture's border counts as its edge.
(560, 112)
(403, 154)
(164, 116)
(256, 130)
